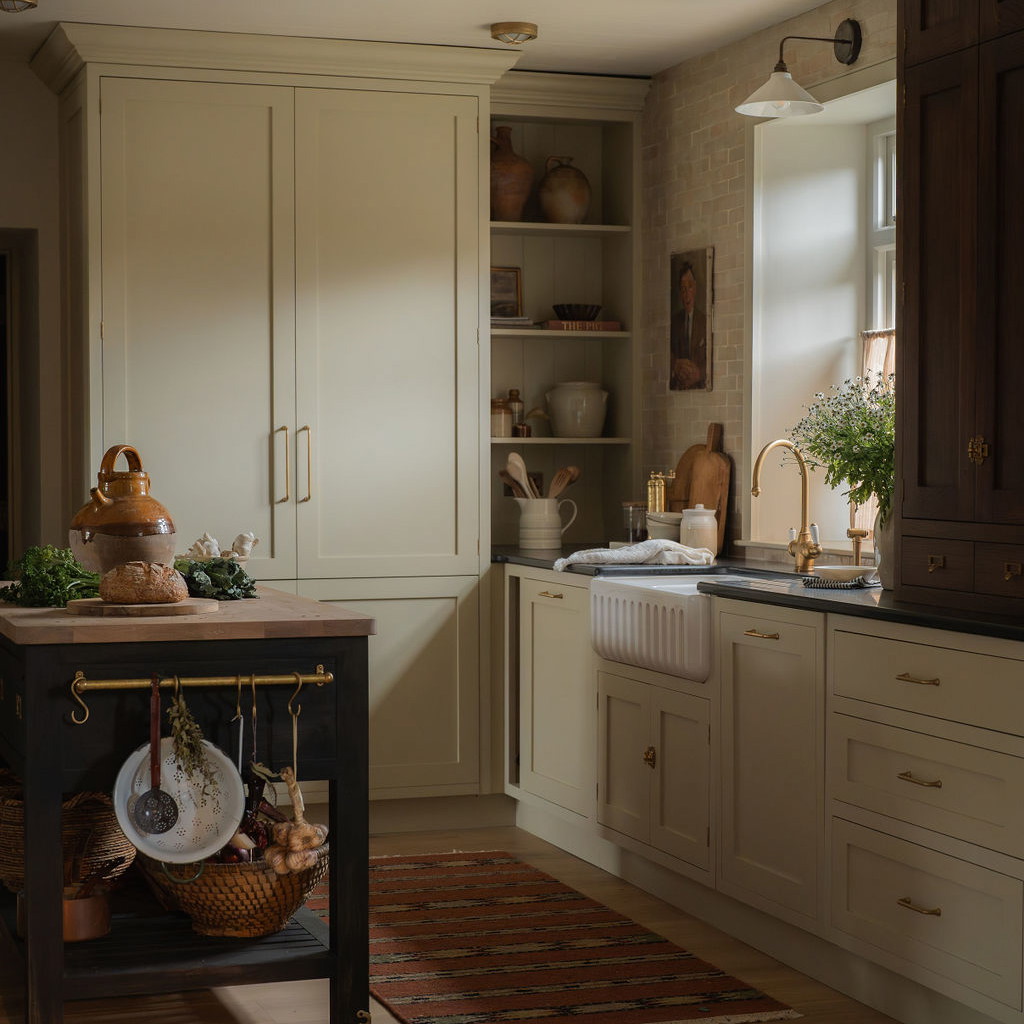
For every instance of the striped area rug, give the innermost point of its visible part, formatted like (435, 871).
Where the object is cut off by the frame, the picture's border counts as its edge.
(481, 938)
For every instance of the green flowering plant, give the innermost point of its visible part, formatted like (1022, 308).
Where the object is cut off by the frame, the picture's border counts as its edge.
(851, 434)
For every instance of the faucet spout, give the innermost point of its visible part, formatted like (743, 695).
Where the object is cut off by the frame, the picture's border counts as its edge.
(803, 549)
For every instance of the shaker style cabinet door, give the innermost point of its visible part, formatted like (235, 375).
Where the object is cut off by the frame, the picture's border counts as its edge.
(197, 293)
(388, 251)
(931, 28)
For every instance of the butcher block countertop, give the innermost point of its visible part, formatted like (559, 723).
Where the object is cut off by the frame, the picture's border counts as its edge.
(275, 614)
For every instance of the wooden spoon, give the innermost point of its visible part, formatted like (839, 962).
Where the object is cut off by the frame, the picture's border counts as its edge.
(564, 478)
(517, 470)
(507, 478)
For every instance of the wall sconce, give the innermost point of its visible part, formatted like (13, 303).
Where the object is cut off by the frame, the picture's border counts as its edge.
(780, 96)
(14, 6)
(513, 32)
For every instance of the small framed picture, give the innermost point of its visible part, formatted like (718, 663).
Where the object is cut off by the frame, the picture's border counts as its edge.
(506, 291)
(691, 303)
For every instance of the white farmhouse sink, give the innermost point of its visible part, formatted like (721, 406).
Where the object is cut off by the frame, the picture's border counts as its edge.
(656, 622)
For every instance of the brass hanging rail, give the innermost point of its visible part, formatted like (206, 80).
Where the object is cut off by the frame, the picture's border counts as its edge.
(80, 684)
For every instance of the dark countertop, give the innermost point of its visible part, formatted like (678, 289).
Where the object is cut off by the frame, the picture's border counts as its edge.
(778, 587)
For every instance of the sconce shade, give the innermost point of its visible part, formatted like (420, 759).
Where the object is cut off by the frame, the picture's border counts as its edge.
(513, 32)
(14, 6)
(780, 96)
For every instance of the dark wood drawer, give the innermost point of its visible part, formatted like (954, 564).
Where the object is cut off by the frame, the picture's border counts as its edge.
(999, 569)
(933, 562)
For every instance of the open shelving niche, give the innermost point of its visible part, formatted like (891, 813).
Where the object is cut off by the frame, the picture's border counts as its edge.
(594, 120)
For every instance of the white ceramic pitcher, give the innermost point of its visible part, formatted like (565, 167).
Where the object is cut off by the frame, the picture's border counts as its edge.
(540, 522)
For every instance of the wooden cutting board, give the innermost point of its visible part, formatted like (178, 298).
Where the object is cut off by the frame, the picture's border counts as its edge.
(702, 478)
(97, 606)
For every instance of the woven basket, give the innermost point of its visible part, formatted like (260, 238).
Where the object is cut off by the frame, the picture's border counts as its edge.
(237, 900)
(89, 834)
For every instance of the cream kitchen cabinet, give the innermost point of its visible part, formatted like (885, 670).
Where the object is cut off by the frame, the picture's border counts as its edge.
(654, 764)
(771, 667)
(556, 682)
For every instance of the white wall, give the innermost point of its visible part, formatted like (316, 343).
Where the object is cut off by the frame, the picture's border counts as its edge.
(29, 200)
(810, 217)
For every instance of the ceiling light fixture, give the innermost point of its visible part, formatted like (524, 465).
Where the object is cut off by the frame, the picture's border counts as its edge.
(14, 6)
(780, 96)
(511, 32)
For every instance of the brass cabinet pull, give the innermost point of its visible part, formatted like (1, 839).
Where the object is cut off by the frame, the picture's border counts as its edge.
(309, 462)
(906, 677)
(909, 904)
(1011, 569)
(911, 777)
(761, 636)
(287, 469)
(936, 562)
(17, 706)
(651, 758)
(547, 593)
(977, 449)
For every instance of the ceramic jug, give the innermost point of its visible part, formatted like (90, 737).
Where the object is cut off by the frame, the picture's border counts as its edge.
(564, 192)
(122, 522)
(511, 177)
(540, 522)
(577, 409)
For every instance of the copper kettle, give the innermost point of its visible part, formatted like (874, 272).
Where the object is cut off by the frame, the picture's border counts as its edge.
(122, 522)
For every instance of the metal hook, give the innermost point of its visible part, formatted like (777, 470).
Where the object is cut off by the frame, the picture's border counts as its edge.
(298, 709)
(238, 699)
(79, 678)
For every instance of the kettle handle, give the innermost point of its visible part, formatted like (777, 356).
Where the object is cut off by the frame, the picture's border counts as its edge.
(131, 455)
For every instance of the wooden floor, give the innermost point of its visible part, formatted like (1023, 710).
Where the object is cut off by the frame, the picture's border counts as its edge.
(303, 1002)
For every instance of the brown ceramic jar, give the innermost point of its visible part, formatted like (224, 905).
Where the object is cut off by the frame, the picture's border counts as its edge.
(564, 192)
(122, 522)
(511, 177)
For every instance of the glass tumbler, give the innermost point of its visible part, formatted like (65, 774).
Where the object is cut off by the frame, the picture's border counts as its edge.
(634, 521)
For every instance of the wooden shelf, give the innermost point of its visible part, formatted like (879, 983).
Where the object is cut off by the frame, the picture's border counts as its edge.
(536, 332)
(560, 440)
(529, 227)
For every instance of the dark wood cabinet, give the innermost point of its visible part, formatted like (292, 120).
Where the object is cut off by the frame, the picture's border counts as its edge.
(960, 501)
(931, 28)
(999, 17)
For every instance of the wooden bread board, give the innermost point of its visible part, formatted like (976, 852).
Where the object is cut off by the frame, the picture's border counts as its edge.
(702, 478)
(98, 607)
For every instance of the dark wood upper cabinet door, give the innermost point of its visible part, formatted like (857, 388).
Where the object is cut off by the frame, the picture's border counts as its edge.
(932, 28)
(1000, 342)
(1000, 17)
(937, 162)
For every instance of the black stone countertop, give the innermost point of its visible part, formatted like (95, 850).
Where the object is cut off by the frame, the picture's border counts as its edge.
(778, 587)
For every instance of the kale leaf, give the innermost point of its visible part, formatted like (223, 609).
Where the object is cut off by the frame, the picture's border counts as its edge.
(220, 578)
(49, 577)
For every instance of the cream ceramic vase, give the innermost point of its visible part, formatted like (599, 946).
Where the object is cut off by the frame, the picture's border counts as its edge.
(540, 522)
(884, 554)
(577, 409)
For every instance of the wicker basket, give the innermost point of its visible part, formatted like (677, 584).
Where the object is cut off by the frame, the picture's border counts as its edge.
(238, 900)
(90, 835)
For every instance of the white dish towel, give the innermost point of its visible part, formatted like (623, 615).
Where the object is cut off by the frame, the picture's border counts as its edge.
(647, 552)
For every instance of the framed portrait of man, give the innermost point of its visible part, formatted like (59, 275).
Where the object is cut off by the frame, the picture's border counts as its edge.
(690, 305)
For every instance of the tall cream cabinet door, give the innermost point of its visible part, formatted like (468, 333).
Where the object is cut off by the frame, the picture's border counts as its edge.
(197, 188)
(772, 672)
(424, 680)
(388, 262)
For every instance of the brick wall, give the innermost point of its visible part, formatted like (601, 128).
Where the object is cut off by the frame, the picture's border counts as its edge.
(695, 194)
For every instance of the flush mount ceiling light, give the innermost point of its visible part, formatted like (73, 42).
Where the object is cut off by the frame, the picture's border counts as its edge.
(511, 32)
(14, 6)
(780, 96)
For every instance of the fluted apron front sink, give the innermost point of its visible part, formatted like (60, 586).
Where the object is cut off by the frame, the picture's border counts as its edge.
(654, 622)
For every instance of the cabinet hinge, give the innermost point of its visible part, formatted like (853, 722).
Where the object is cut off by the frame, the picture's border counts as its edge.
(977, 449)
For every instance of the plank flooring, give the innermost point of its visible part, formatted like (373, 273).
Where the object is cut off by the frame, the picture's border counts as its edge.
(303, 1002)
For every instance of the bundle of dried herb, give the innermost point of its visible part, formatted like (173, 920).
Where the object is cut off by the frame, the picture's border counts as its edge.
(189, 752)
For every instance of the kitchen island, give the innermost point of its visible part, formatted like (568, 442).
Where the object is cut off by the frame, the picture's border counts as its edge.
(61, 742)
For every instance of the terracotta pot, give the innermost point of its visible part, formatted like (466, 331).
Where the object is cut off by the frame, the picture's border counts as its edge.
(123, 522)
(511, 177)
(564, 192)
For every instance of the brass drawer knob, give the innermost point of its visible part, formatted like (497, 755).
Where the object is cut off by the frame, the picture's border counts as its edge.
(936, 562)
(1011, 569)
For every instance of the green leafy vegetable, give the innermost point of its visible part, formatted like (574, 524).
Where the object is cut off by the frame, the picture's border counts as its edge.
(49, 577)
(220, 578)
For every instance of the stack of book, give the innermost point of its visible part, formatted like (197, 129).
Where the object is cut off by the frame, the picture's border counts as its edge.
(582, 325)
(511, 321)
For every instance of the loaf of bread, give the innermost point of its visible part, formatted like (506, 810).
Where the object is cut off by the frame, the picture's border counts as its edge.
(143, 583)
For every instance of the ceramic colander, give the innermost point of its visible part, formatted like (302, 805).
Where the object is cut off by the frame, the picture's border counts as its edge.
(206, 821)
